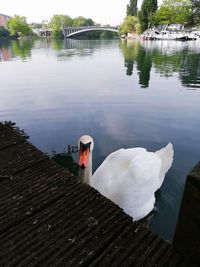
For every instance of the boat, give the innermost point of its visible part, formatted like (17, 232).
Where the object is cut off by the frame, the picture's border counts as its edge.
(168, 35)
(170, 32)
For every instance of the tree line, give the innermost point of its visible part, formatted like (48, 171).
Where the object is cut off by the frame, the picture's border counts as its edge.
(185, 12)
(144, 59)
(18, 25)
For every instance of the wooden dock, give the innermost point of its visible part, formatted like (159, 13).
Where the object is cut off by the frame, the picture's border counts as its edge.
(49, 218)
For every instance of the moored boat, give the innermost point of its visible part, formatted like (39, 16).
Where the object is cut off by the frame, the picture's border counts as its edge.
(168, 35)
(171, 32)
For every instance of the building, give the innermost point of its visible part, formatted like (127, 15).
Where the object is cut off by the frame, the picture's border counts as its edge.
(3, 20)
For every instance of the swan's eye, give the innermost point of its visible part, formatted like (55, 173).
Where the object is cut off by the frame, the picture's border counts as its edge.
(84, 147)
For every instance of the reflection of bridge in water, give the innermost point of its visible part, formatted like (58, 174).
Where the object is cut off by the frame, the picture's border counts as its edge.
(72, 31)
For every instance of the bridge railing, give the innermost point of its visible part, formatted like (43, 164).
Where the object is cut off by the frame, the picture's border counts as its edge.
(86, 27)
(67, 31)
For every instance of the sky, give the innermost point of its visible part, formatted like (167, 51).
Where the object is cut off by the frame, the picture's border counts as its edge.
(101, 11)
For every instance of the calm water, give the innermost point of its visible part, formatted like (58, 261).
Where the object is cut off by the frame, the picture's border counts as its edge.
(123, 94)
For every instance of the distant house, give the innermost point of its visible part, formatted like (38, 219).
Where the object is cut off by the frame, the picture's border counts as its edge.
(42, 32)
(3, 20)
(176, 27)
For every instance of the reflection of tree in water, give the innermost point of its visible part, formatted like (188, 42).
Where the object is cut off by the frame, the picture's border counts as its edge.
(167, 60)
(57, 44)
(184, 62)
(133, 52)
(190, 70)
(66, 160)
(129, 67)
(22, 48)
(144, 63)
(166, 65)
(129, 51)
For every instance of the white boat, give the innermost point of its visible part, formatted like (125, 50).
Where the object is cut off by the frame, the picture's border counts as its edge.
(168, 35)
(171, 32)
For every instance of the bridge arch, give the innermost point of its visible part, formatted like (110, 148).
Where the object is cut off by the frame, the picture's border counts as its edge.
(72, 31)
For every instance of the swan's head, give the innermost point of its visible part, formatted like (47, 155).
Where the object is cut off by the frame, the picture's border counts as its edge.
(85, 147)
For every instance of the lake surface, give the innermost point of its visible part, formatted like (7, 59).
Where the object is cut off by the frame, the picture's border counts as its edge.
(124, 94)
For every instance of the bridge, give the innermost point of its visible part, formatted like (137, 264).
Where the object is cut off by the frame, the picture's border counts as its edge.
(72, 31)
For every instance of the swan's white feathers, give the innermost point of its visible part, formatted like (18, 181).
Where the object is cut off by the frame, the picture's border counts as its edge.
(130, 177)
(166, 155)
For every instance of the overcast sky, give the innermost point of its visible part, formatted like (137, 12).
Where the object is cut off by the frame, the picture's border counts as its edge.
(101, 11)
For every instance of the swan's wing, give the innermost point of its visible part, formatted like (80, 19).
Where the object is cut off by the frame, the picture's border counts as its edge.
(166, 155)
(145, 167)
(138, 190)
(104, 177)
(115, 164)
(127, 168)
(129, 177)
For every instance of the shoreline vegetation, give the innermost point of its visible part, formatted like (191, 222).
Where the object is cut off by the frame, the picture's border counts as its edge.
(135, 23)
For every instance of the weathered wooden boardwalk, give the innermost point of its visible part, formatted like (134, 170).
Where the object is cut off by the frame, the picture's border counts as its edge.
(48, 218)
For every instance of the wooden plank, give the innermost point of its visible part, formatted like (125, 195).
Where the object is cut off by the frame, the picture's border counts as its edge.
(68, 232)
(31, 191)
(19, 157)
(10, 135)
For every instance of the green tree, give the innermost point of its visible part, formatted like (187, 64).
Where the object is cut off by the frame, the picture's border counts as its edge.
(196, 12)
(107, 35)
(132, 8)
(81, 21)
(174, 11)
(130, 24)
(36, 25)
(3, 32)
(18, 26)
(146, 14)
(89, 22)
(57, 22)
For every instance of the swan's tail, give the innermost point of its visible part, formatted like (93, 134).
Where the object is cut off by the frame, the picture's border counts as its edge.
(166, 154)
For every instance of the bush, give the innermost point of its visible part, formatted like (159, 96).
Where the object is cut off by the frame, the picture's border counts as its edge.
(3, 32)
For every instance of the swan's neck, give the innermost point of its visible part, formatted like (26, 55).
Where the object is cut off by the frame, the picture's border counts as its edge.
(86, 174)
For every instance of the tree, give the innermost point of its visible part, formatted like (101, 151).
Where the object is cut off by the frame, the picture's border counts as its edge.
(196, 11)
(130, 24)
(107, 35)
(132, 8)
(57, 22)
(81, 21)
(18, 26)
(174, 11)
(146, 13)
(3, 32)
(89, 22)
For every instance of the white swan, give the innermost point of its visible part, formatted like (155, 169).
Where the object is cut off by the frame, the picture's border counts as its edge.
(128, 177)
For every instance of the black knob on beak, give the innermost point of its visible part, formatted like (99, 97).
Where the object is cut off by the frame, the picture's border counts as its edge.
(82, 166)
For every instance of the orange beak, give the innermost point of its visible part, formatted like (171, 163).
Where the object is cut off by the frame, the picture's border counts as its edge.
(84, 158)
